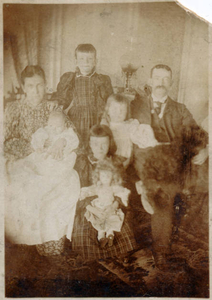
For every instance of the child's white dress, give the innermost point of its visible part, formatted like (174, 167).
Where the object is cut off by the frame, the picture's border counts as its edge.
(42, 193)
(106, 219)
(131, 132)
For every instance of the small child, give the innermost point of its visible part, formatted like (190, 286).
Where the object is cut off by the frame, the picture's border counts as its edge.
(126, 132)
(83, 93)
(103, 213)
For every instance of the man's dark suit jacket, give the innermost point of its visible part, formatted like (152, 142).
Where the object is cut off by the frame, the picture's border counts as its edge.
(175, 117)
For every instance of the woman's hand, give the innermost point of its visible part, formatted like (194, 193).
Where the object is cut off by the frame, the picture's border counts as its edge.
(56, 150)
(52, 105)
(95, 211)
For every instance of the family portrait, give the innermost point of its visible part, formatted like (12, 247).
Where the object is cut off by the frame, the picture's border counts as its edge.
(106, 150)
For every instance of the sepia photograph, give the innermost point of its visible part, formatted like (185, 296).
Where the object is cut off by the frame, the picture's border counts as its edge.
(106, 150)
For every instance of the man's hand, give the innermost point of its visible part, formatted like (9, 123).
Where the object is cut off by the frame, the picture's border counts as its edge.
(201, 157)
(139, 187)
(56, 150)
(144, 199)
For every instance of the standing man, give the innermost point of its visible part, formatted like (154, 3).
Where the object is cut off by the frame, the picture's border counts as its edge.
(168, 118)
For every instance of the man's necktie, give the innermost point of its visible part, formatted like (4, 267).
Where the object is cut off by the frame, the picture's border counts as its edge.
(158, 108)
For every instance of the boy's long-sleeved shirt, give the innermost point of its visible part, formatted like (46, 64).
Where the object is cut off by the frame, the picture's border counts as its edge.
(84, 97)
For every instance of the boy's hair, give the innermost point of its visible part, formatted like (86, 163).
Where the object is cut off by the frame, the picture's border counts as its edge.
(161, 66)
(32, 70)
(85, 48)
(117, 98)
(104, 131)
(107, 165)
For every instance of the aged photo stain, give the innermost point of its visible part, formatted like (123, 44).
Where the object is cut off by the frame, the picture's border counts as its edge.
(106, 150)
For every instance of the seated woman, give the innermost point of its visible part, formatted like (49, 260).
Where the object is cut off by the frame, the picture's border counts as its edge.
(23, 117)
(85, 236)
(40, 197)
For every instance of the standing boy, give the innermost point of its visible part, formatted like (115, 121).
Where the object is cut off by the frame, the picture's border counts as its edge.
(84, 92)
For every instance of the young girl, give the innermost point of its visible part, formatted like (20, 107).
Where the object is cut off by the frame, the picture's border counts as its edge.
(43, 189)
(84, 236)
(126, 132)
(103, 213)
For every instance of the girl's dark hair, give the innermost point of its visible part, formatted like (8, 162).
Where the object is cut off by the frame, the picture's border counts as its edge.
(102, 131)
(32, 70)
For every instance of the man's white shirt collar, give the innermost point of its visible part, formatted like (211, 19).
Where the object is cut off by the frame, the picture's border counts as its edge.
(162, 100)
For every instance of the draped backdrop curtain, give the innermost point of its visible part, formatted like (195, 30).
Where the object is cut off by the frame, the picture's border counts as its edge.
(157, 32)
(194, 75)
(31, 37)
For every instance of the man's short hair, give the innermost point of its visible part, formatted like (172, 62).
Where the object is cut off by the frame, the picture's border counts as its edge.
(85, 48)
(161, 66)
(31, 71)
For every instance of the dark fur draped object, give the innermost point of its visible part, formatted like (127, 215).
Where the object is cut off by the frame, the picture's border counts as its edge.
(167, 166)
(169, 162)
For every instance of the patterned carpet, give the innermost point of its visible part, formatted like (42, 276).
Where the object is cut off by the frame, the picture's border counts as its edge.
(30, 275)
(27, 274)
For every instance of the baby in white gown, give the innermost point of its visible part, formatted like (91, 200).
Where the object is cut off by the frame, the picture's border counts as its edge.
(44, 139)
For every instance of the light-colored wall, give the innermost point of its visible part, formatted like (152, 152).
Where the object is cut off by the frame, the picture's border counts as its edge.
(194, 78)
